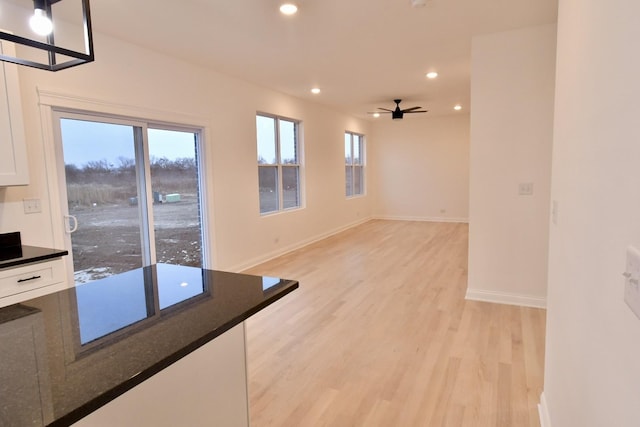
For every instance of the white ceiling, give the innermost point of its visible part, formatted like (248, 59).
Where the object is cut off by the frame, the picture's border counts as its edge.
(362, 53)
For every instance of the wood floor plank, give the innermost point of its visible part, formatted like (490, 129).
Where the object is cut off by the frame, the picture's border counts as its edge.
(379, 334)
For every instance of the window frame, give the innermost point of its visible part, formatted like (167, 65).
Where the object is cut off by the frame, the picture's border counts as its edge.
(352, 165)
(279, 165)
(143, 175)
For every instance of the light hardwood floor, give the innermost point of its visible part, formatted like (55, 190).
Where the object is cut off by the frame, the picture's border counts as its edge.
(379, 334)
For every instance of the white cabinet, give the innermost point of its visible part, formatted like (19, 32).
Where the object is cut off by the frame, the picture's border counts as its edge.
(31, 280)
(13, 158)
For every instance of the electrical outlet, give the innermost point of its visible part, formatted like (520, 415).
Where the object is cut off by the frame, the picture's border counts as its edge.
(32, 206)
(632, 280)
(525, 189)
(554, 212)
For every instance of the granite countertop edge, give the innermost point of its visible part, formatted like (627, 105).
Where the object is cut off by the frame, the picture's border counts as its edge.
(31, 254)
(99, 401)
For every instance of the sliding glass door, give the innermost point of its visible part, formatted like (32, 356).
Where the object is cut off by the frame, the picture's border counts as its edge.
(132, 194)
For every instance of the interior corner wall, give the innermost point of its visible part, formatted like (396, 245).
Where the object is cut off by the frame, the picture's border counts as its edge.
(592, 363)
(422, 168)
(512, 93)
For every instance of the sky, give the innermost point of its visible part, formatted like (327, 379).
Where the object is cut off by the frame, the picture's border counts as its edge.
(85, 141)
(265, 127)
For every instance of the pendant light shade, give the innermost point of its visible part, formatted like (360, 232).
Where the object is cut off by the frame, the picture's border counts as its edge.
(48, 45)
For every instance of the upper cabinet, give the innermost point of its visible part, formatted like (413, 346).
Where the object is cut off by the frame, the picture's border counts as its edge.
(13, 150)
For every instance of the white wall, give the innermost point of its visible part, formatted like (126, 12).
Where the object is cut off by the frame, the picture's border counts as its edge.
(124, 74)
(592, 367)
(422, 168)
(512, 86)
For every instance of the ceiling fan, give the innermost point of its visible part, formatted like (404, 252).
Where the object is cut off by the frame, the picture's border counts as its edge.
(398, 113)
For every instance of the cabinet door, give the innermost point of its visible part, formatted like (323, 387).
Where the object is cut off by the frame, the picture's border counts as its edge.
(13, 161)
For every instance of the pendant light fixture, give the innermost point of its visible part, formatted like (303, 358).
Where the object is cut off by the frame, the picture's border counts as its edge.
(43, 38)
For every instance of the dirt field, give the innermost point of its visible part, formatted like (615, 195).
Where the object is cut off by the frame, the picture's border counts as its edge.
(108, 242)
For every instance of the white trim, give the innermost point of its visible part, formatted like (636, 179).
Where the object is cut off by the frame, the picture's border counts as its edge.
(83, 105)
(506, 298)
(420, 218)
(50, 101)
(543, 411)
(48, 147)
(207, 214)
(295, 246)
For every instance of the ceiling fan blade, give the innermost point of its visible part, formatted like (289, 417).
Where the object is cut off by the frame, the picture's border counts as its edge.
(421, 111)
(385, 109)
(408, 110)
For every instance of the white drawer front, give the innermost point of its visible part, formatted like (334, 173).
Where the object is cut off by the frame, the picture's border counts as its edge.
(18, 280)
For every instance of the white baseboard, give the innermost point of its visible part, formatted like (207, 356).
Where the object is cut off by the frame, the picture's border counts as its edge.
(506, 298)
(420, 218)
(543, 412)
(295, 246)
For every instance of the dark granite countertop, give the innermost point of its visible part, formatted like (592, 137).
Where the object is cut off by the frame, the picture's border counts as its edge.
(75, 350)
(26, 254)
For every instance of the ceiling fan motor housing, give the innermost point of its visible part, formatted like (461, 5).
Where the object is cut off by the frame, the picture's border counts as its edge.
(397, 114)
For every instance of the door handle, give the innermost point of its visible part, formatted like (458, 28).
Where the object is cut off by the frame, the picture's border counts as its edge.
(67, 223)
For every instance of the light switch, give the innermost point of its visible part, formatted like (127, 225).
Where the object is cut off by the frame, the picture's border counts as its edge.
(32, 206)
(632, 280)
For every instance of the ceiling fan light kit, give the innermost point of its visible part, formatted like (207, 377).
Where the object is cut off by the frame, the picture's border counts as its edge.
(43, 25)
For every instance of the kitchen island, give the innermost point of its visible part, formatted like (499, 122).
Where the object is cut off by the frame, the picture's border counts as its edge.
(160, 345)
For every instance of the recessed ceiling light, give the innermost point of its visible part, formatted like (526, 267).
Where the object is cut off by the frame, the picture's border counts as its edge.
(458, 107)
(315, 90)
(376, 115)
(288, 8)
(432, 75)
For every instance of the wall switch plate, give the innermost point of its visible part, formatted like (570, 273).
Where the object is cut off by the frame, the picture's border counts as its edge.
(32, 206)
(632, 280)
(525, 189)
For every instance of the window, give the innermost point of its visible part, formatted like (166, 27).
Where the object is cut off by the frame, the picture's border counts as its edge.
(354, 164)
(133, 190)
(278, 163)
